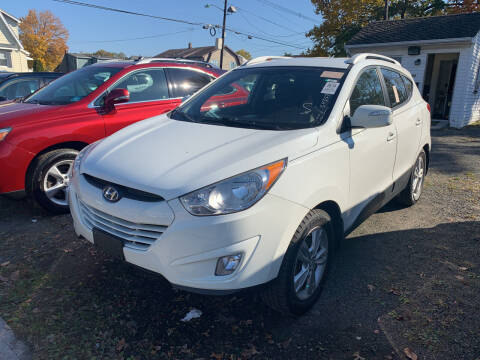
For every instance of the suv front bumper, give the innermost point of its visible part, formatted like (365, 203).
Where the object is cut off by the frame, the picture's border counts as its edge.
(14, 163)
(186, 253)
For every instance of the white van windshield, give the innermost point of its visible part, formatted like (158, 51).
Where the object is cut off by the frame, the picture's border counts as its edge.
(273, 98)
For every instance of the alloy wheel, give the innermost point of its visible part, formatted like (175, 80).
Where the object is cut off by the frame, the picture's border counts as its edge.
(417, 182)
(56, 181)
(310, 263)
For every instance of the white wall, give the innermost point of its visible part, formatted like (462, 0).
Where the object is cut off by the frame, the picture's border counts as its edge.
(466, 103)
(465, 107)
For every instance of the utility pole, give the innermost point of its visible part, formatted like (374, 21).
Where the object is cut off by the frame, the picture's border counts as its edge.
(223, 33)
(386, 9)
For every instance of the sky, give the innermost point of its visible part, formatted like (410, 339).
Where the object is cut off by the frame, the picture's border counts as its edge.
(93, 29)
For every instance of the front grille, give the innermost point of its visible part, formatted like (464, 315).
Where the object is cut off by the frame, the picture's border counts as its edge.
(124, 191)
(136, 236)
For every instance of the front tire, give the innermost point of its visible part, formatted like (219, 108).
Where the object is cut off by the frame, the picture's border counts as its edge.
(412, 192)
(48, 180)
(304, 268)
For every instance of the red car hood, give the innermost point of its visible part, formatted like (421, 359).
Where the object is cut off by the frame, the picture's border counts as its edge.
(17, 113)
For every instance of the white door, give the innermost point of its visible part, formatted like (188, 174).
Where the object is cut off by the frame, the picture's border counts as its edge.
(372, 151)
(407, 120)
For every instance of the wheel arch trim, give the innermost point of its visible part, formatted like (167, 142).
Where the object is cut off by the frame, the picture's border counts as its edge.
(75, 145)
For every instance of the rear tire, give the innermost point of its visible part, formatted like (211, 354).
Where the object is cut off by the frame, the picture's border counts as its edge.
(48, 179)
(304, 267)
(412, 192)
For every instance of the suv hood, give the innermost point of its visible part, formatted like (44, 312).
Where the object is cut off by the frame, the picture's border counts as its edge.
(171, 158)
(17, 113)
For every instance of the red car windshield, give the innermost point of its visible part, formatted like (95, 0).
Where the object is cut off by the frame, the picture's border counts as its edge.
(73, 87)
(272, 98)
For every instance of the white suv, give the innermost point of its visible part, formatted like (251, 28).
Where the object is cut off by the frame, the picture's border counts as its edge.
(256, 178)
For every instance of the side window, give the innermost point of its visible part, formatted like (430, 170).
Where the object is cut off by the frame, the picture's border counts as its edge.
(184, 82)
(145, 85)
(397, 93)
(408, 86)
(367, 91)
(47, 80)
(5, 59)
(19, 88)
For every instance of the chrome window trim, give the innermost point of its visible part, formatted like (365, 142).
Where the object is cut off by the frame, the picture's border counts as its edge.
(143, 101)
(92, 105)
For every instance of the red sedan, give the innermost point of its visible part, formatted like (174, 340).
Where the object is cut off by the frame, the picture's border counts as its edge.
(41, 135)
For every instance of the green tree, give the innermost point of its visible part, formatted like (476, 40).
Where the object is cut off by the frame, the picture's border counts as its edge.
(341, 20)
(105, 53)
(244, 53)
(344, 18)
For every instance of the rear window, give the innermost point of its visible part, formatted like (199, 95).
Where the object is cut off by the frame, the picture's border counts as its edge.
(185, 82)
(275, 98)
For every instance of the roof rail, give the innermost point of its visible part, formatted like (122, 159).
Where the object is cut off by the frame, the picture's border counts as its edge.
(368, 56)
(176, 60)
(261, 59)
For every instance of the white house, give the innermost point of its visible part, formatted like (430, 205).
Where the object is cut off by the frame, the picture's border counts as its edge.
(13, 57)
(443, 55)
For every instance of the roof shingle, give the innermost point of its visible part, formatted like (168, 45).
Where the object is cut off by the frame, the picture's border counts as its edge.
(416, 29)
(186, 52)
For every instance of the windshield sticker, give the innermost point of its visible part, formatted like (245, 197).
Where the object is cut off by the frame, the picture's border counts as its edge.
(395, 92)
(322, 108)
(330, 88)
(307, 108)
(332, 74)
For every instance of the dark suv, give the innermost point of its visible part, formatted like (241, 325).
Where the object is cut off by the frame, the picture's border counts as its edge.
(18, 85)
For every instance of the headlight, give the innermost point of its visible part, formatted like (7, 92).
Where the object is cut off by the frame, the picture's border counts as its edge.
(85, 151)
(4, 132)
(234, 194)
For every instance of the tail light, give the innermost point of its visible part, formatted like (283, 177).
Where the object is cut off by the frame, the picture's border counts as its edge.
(429, 108)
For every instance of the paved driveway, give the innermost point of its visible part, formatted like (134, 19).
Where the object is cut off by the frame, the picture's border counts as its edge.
(406, 281)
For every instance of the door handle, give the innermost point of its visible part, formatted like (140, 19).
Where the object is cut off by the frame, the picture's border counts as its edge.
(418, 122)
(390, 136)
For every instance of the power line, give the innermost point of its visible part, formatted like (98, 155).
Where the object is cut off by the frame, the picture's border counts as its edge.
(294, 33)
(72, 2)
(204, 25)
(287, 10)
(264, 32)
(264, 39)
(136, 38)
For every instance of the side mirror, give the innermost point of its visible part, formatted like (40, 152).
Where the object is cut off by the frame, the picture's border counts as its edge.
(371, 116)
(116, 96)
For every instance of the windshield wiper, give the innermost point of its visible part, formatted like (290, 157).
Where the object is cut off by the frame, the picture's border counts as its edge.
(235, 123)
(184, 116)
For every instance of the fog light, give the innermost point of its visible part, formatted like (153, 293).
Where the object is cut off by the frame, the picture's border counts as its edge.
(227, 264)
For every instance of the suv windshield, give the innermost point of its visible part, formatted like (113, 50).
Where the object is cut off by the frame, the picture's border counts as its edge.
(73, 87)
(273, 98)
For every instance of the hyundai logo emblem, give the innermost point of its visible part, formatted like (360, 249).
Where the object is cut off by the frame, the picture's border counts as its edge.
(111, 194)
